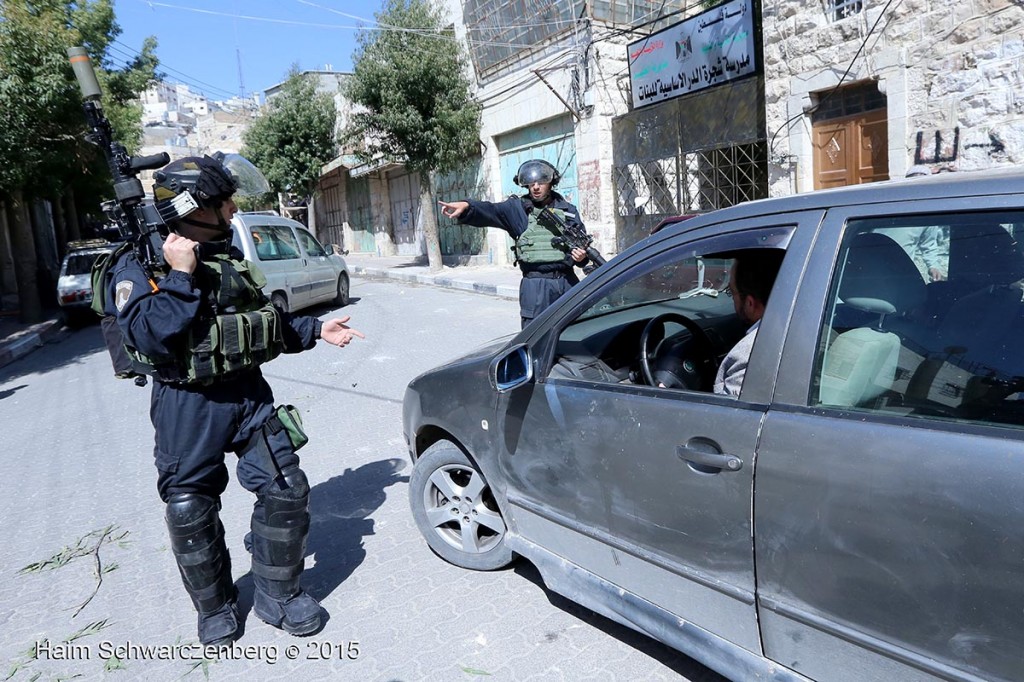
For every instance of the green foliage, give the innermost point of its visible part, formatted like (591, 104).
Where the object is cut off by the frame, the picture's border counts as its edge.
(294, 137)
(42, 147)
(411, 83)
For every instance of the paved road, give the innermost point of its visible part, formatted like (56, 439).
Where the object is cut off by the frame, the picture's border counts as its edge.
(79, 494)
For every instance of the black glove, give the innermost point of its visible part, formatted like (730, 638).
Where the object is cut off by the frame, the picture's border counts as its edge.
(214, 181)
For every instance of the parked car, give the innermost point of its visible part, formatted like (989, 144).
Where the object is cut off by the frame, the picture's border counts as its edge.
(74, 285)
(300, 272)
(855, 513)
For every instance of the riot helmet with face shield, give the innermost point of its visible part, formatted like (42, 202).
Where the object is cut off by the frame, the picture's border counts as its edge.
(186, 185)
(537, 170)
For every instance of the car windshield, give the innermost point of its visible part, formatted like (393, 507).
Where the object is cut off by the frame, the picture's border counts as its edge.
(80, 263)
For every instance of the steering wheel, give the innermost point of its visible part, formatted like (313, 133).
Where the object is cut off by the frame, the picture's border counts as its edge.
(696, 372)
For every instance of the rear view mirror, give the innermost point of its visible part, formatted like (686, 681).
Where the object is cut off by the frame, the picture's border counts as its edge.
(512, 369)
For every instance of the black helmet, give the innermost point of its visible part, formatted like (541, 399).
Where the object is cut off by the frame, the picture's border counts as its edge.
(195, 182)
(536, 170)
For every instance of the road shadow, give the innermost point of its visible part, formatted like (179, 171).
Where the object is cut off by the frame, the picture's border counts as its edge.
(65, 346)
(679, 663)
(331, 309)
(340, 510)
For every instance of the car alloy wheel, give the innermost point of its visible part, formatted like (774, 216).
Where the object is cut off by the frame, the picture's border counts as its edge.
(456, 512)
(343, 288)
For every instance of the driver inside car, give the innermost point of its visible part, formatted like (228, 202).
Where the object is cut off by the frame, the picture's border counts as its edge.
(750, 283)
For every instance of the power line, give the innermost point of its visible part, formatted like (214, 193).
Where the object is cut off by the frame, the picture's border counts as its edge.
(293, 22)
(131, 53)
(560, 22)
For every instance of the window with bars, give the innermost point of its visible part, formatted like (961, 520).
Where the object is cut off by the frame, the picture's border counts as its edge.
(836, 10)
(853, 99)
(502, 31)
(701, 180)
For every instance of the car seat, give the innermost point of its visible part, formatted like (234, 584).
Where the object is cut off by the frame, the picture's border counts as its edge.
(878, 281)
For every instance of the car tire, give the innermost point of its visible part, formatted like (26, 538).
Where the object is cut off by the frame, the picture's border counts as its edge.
(343, 291)
(466, 530)
(279, 300)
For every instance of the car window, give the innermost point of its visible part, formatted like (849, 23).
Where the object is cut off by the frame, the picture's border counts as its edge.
(274, 242)
(309, 242)
(80, 263)
(675, 314)
(924, 318)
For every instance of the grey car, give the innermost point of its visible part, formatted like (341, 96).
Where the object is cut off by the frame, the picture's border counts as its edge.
(855, 513)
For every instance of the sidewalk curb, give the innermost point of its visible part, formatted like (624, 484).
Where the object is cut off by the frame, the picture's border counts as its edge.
(24, 344)
(444, 281)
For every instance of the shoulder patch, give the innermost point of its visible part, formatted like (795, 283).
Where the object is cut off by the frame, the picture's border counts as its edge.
(122, 292)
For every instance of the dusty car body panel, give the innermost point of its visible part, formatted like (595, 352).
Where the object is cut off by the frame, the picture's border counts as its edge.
(875, 541)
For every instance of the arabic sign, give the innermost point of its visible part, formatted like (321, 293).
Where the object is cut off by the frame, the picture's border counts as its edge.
(709, 49)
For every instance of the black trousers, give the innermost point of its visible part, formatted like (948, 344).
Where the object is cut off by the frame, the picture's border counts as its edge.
(195, 426)
(537, 292)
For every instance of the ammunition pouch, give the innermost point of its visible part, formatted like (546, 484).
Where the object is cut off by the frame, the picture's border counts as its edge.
(218, 347)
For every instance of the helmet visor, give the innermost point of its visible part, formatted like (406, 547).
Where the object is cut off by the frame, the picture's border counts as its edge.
(250, 181)
(535, 171)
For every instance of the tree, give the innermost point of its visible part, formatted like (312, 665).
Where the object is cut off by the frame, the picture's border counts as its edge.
(294, 137)
(410, 82)
(43, 154)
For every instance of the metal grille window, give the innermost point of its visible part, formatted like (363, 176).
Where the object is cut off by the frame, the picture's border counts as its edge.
(709, 179)
(855, 99)
(501, 31)
(649, 188)
(840, 9)
(629, 12)
(716, 178)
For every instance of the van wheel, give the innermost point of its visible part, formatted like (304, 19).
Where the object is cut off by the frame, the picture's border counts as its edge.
(343, 287)
(279, 301)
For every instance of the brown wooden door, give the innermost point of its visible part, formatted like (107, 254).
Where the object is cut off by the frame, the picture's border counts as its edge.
(851, 150)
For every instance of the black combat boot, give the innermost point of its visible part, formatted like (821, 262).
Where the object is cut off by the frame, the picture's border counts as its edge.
(197, 541)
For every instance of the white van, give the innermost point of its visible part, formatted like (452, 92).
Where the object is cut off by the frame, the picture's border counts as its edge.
(300, 272)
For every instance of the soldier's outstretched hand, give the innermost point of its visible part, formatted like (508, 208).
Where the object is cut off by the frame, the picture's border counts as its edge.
(337, 332)
(453, 209)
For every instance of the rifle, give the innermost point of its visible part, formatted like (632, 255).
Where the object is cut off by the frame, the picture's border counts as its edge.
(574, 237)
(136, 220)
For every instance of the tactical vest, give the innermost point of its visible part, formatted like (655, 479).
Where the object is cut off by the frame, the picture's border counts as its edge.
(237, 328)
(535, 244)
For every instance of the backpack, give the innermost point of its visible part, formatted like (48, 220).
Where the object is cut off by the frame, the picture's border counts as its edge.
(112, 335)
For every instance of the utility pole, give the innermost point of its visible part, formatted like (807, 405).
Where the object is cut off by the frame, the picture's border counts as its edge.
(241, 83)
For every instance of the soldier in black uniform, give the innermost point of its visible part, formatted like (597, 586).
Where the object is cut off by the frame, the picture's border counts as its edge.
(547, 266)
(201, 328)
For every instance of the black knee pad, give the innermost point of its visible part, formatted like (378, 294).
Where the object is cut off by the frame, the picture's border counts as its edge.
(197, 542)
(280, 524)
(292, 484)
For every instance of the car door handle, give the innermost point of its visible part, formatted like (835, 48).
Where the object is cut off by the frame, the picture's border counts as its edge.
(712, 460)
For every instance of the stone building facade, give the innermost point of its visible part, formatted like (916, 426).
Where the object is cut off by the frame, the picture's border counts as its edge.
(550, 88)
(861, 90)
(843, 92)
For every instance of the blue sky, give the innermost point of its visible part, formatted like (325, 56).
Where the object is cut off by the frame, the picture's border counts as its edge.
(199, 39)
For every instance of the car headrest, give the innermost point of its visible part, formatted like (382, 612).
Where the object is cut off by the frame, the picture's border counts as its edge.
(880, 277)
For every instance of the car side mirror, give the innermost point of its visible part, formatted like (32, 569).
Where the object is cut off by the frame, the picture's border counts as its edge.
(512, 369)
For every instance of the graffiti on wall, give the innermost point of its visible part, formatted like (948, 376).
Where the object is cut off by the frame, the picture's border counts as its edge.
(937, 146)
(589, 187)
